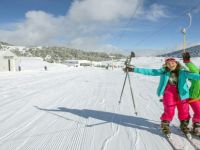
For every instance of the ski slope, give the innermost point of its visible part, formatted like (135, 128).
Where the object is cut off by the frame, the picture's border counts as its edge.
(77, 109)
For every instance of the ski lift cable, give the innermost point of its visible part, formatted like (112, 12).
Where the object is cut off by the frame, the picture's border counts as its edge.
(184, 30)
(190, 21)
(165, 25)
(128, 22)
(130, 19)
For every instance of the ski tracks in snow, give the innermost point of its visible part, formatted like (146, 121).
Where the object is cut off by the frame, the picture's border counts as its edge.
(80, 111)
(115, 130)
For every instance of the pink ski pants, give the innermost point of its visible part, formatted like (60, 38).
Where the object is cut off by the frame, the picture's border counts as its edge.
(196, 110)
(171, 100)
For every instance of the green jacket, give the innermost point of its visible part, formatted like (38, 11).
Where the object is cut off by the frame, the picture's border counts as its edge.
(195, 84)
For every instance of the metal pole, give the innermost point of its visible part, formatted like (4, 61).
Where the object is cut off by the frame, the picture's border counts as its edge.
(184, 39)
(184, 31)
(184, 42)
(132, 93)
(123, 87)
(127, 62)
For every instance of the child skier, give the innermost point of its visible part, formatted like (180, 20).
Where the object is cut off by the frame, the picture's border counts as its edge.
(175, 92)
(194, 100)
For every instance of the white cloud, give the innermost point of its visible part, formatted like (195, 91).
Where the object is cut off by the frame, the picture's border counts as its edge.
(86, 25)
(156, 12)
(197, 9)
(92, 44)
(37, 28)
(102, 10)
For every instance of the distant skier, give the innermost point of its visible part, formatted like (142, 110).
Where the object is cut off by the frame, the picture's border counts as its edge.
(194, 100)
(107, 67)
(45, 68)
(174, 89)
(19, 68)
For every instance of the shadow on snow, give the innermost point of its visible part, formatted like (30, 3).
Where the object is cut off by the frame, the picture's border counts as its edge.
(109, 117)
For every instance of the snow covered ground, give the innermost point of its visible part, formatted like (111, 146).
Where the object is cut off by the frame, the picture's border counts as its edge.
(77, 109)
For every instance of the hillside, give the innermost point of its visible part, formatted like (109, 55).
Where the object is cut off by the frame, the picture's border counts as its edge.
(194, 52)
(59, 54)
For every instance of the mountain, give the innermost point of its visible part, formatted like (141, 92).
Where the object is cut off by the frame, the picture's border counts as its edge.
(4, 43)
(59, 54)
(194, 52)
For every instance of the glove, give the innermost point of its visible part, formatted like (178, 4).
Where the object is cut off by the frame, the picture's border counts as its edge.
(186, 57)
(128, 68)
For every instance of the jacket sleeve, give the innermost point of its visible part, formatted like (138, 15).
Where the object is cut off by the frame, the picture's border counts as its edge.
(193, 76)
(192, 67)
(152, 72)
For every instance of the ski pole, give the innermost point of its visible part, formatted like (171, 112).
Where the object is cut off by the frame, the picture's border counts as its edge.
(127, 62)
(123, 86)
(132, 94)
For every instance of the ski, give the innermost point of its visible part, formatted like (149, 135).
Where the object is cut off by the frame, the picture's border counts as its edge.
(194, 135)
(171, 141)
(192, 141)
(190, 138)
(196, 140)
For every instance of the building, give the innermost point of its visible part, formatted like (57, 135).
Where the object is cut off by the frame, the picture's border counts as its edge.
(78, 63)
(72, 63)
(8, 61)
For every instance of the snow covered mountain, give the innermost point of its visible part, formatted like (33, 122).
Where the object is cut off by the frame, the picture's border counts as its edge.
(194, 52)
(59, 54)
(77, 109)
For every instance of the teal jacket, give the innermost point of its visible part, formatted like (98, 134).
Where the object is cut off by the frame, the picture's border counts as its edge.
(164, 77)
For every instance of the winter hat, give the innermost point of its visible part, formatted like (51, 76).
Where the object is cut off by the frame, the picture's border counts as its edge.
(170, 59)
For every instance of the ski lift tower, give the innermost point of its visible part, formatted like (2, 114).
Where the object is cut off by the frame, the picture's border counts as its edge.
(112, 61)
(184, 30)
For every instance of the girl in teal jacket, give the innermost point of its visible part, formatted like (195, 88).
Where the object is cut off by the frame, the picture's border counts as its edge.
(194, 100)
(174, 89)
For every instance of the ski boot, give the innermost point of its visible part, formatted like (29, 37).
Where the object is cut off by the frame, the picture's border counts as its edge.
(196, 129)
(184, 128)
(165, 128)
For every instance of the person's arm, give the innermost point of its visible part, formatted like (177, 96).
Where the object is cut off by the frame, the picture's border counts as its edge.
(193, 76)
(152, 72)
(186, 59)
(192, 67)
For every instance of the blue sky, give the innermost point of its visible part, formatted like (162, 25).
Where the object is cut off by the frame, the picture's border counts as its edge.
(149, 26)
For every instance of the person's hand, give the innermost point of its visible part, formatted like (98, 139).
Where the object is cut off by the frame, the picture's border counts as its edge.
(128, 68)
(186, 57)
